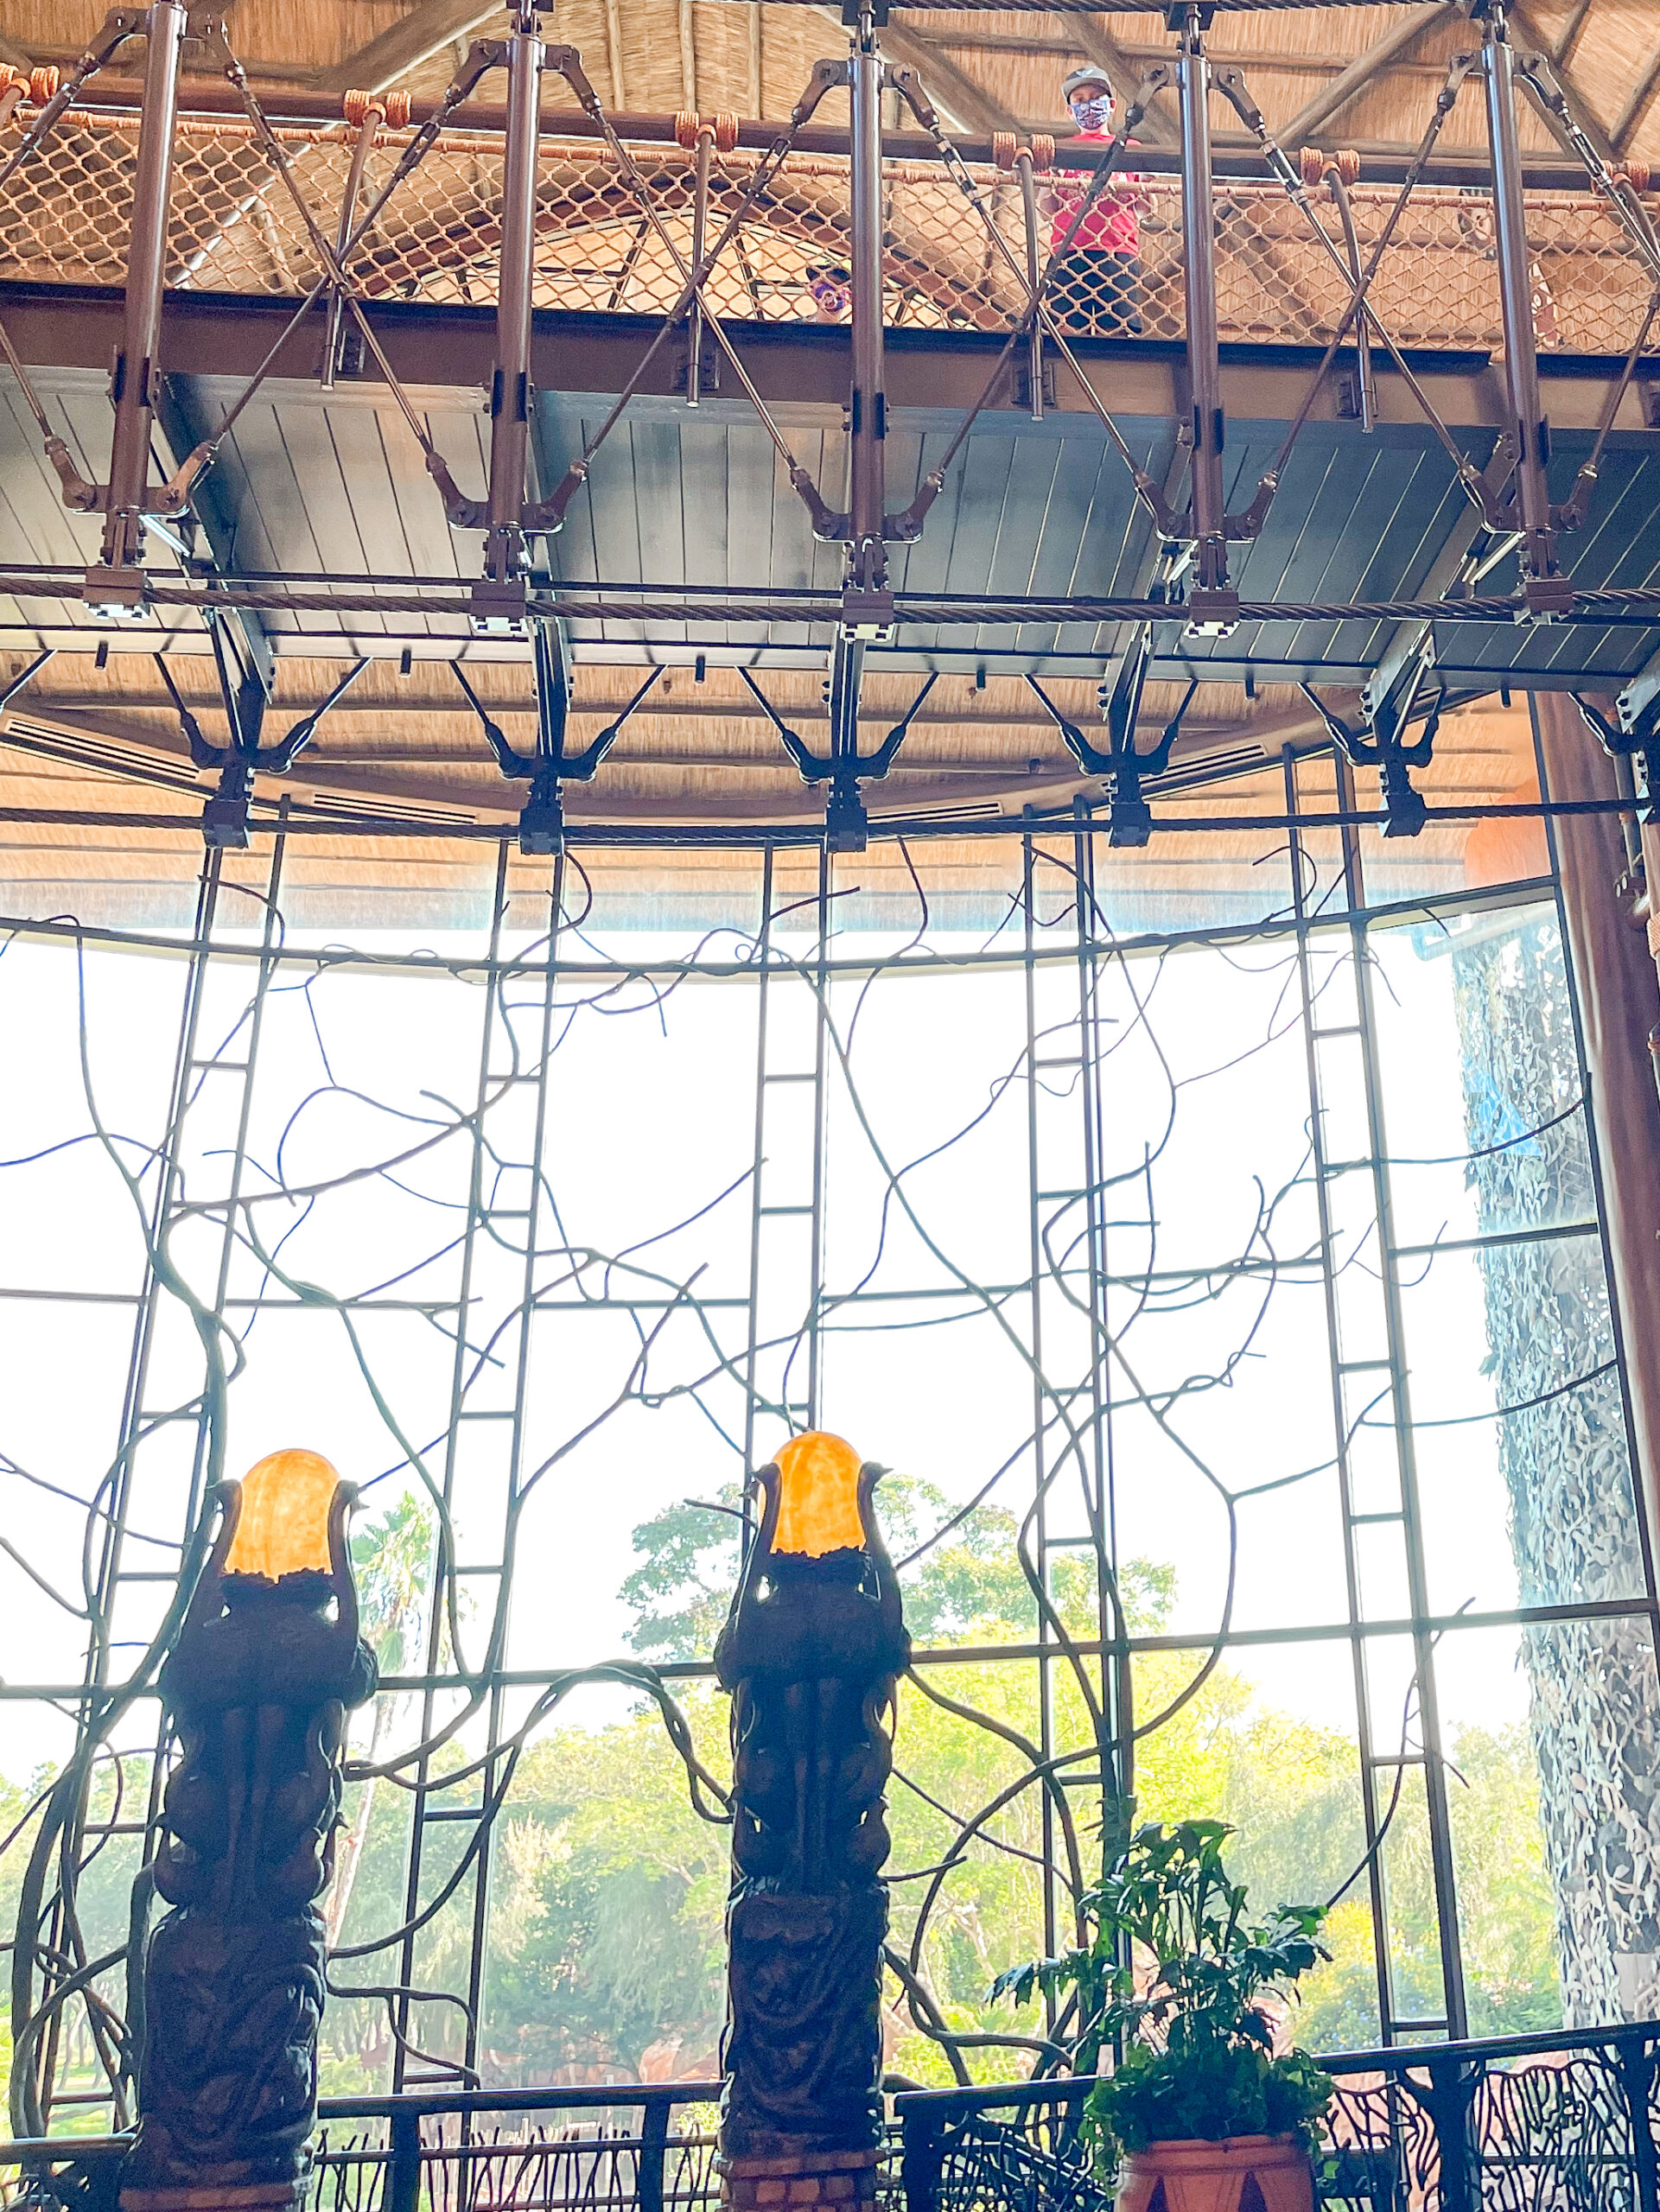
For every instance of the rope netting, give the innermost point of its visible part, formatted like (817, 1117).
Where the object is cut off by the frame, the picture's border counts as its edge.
(234, 230)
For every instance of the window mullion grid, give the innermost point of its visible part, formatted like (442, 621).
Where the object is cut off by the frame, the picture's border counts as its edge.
(1096, 1473)
(1365, 1744)
(1454, 2018)
(1045, 1638)
(444, 1577)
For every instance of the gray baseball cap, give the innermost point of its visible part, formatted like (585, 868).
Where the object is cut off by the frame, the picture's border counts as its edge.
(1090, 75)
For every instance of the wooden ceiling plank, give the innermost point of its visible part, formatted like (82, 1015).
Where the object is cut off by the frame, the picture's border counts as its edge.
(1637, 107)
(1313, 118)
(969, 105)
(1578, 106)
(1562, 52)
(426, 30)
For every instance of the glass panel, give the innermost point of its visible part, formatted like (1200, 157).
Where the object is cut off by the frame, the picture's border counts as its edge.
(1148, 1125)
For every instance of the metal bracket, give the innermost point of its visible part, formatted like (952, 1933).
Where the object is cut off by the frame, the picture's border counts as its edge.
(1386, 749)
(1637, 737)
(25, 676)
(1130, 819)
(225, 817)
(542, 821)
(846, 821)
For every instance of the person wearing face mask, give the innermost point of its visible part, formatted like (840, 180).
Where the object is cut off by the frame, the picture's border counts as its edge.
(1097, 282)
(830, 287)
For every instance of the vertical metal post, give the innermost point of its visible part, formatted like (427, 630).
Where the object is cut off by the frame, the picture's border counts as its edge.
(374, 114)
(1199, 250)
(1438, 1812)
(403, 2171)
(1039, 1411)
(868, 413)
(1023, 170)
(510, 391)
(133, 386)
(1364, 1734)
(699, 246)
(1527, 425)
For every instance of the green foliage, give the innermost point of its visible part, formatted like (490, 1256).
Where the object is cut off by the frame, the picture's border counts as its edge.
(1214, 2091)
(969, 1583)
(392, 1565)
(1187, 1989)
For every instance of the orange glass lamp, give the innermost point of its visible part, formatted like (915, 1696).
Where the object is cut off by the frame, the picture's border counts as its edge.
(282, 1524)
(818, 1496)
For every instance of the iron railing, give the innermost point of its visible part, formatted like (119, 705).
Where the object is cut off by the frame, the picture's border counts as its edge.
(1562, 2122)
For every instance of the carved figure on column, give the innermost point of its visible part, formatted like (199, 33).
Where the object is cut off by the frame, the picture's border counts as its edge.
(258, 1686)
(811, 1652)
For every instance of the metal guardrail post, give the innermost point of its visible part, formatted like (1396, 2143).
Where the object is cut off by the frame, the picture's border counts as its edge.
(509, 395)
(1453, 2082)
(868, 411)
(1024, 169)
(654, 2146)
(404, 2172)
(922, 2158)
(1209, 503)
(137, 363)
(702, 159)
(1636, 2072)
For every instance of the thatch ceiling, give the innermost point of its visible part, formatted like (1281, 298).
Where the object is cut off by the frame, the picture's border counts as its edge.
(990, 70)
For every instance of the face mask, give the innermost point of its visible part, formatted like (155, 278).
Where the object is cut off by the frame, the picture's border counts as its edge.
(1091, 115)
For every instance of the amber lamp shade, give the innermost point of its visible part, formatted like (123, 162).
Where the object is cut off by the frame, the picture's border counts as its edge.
(818, 1496)
(283, 1528)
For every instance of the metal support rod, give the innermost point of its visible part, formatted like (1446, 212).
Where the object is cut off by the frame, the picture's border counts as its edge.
(867, 419)
(510, 391)
(699, 247)
(1208, 507)
(1527, 425)
(368, 130)
(1033, 275)
(136, 371)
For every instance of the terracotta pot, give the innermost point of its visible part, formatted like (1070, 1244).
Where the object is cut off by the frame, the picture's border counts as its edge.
(1211, 2176)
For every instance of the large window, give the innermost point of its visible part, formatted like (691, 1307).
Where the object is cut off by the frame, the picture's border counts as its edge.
(1237, 1286)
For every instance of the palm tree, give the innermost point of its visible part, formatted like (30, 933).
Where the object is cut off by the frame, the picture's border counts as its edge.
(392, 1562)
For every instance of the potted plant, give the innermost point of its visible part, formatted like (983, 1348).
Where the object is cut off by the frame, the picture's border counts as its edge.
(1190, 1994)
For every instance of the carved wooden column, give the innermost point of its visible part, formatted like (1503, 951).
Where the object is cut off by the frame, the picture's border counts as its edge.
(811, 1653)
(258, 1686)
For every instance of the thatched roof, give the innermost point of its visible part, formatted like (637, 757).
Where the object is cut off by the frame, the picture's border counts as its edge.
(986, 68)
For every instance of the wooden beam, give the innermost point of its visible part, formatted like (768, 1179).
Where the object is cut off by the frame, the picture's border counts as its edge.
(1562, 52)
(613, 54)
(1158, 126)
(1312, 118)
(688, 60)
(1637, 107)
(968, 103)
(1578, 106)
(426, 30)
